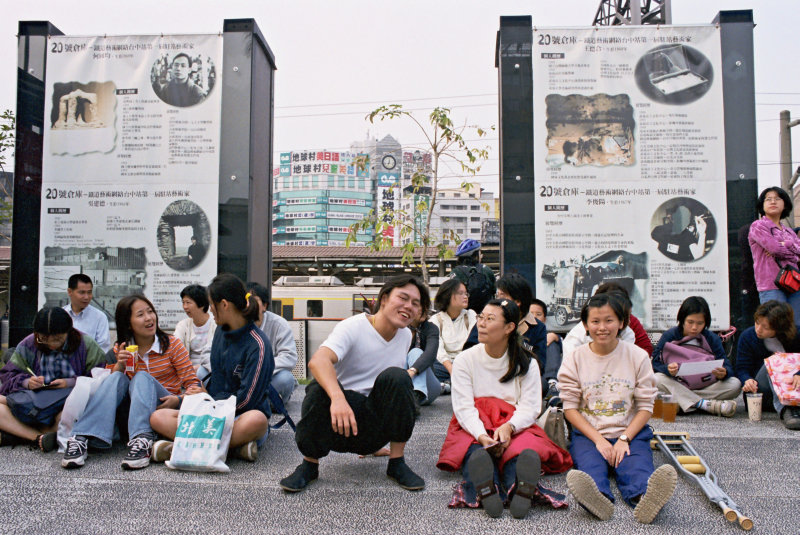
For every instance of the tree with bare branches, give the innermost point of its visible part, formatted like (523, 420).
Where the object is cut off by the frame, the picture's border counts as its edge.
(444, 142)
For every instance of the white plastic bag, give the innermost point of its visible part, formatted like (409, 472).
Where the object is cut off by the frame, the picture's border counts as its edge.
(76, 403)
(203, 434)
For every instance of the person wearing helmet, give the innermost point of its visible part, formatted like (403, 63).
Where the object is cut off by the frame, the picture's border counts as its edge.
(478, 278)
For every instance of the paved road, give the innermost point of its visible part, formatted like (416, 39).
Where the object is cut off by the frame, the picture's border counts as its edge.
(757, 464)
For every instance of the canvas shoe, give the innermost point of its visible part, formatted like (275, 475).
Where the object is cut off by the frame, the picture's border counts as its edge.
(138, 456)
(725, 408)
(248, 452)
(162, 451)
(76, 454)
(660, 487)
(791, 417)
(588, 496)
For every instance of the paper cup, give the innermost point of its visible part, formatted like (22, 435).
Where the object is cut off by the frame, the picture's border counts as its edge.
(754, 406)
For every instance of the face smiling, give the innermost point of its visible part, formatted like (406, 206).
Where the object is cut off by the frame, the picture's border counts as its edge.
(401, 306)
(143, 319)
(602, 324)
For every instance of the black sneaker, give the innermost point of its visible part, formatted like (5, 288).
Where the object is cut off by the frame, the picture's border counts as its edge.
(791, 418)
(77, 451)
(305, 473)
(138, 456)
(399, 471)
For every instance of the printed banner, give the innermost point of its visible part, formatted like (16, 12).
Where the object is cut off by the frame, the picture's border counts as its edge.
(629, 160)
(130, 170)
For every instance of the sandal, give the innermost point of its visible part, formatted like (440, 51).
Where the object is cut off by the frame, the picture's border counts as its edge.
(480, 468)
(529, 468)
(46, 442)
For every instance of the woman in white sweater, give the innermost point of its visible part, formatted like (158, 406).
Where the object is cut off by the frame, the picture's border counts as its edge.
(501, 461)
(454, 321)
(197, 331)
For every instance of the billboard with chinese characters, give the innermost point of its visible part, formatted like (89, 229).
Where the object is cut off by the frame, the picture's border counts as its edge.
(388, 202)
(630, 169)
(310, 162)
(130, 167)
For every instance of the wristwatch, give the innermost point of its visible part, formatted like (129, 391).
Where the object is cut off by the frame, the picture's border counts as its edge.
(624, 438)
(413, 369)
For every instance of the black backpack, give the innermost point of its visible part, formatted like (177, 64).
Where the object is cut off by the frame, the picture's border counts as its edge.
(479, 285)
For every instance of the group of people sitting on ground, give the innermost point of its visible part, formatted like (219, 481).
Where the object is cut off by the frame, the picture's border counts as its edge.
(151, 371)
(375, 369)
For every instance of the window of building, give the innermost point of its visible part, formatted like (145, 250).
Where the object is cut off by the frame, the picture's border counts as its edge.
(286, 181)
(475, 231)
(474, 219)
(315, 181)
(457, 195)
(305, 181)
(362, 184)
(341, 181)
(331, 181)
(441, 195)
(351, 182)
(474, 207)
(295, 182)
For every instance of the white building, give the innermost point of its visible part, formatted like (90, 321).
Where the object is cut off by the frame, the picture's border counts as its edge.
(457, 214)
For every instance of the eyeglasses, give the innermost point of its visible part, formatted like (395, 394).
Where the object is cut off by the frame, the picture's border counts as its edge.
(772, 199)
(463, 293)
(490, 317)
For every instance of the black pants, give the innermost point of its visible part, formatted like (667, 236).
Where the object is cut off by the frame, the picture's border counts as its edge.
(386, 415)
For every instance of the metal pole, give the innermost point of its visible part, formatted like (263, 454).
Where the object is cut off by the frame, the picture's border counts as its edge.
(636, 12)
(785, 163)
(666, 11)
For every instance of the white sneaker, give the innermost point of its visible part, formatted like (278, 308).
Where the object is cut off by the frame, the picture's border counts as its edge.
(76, 454)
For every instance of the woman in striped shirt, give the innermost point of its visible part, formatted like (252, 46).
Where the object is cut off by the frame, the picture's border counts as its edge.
(151, 370)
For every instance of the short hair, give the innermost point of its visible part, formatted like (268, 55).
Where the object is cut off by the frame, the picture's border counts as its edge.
(614, 300)
(780, 317)
(198, 294)
(787, 201)
(399, 281)
(540, 303)
(72, 282)
(445, 293)
(123, 314)
(693, 305)
(260, 291)
(516, 286)
(185, 55)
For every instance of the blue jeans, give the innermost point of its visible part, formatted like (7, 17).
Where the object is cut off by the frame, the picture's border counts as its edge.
(99, 418)
(284, 383)
(779, 295)
(425, 381)
(631, 474)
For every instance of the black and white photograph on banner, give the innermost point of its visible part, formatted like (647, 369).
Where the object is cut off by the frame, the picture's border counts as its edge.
(590, 130)
(567, 283)
(183, 79)
(183, 235)
(115, 272)
(684, 229)
(674, 74)
(83, 118)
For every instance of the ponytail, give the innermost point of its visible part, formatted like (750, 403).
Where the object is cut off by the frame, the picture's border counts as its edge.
(230, 288)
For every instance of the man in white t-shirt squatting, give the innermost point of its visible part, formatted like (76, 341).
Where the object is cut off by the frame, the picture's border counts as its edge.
(362, 396)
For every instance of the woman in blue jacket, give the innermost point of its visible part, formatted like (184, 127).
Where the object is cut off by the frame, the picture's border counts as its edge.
(241, 366)
(774, 332)
(694, 318)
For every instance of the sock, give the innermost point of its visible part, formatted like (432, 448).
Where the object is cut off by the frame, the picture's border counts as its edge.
(702, 405)
(311, 470)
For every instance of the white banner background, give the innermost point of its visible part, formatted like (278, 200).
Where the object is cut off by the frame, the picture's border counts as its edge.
(629, 160)
(131, 165)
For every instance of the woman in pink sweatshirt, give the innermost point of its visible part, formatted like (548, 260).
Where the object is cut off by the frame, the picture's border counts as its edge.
(607, 387)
